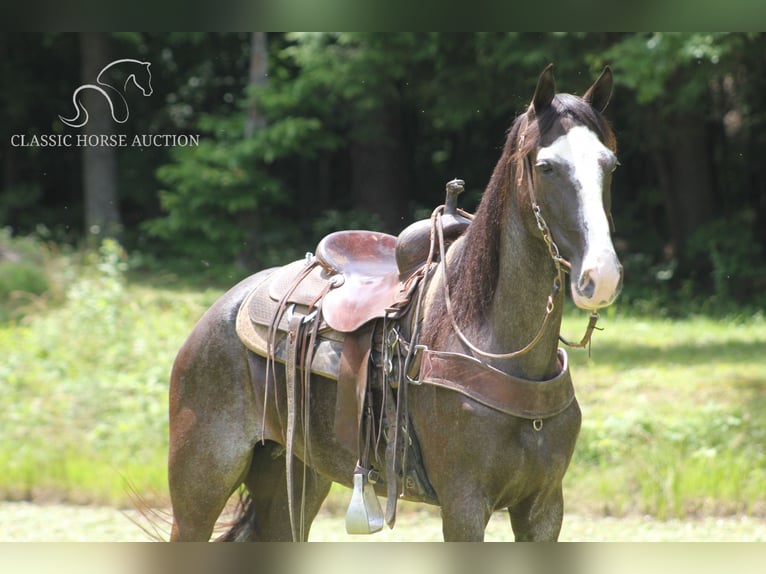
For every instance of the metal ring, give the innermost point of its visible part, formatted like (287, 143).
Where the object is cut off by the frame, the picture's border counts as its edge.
(537, 424)
(550, 306)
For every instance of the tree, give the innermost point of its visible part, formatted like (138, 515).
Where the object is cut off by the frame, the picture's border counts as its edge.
(249, 256)
(693, 109)
(99, 163)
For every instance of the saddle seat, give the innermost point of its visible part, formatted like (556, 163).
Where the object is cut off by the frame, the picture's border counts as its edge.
(370, 277)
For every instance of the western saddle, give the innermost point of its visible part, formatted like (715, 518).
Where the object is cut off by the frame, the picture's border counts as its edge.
(341, 313)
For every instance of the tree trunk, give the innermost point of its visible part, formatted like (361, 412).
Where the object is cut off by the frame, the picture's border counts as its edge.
(684, 164)
(249, 257)
(99, 163)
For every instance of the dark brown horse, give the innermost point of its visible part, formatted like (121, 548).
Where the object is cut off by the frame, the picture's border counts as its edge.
(545, 211)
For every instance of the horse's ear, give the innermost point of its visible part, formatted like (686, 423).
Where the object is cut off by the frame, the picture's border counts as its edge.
(545, 91)
(599, 93)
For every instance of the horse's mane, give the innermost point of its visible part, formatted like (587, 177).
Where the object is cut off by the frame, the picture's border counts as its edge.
(472, 288)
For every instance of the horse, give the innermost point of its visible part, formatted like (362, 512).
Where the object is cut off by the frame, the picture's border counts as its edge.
(112, 82)
(488, 309)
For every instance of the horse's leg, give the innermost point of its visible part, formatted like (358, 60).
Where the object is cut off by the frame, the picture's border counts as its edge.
(464, 516)
(267, 486)
(212, 424)
(539, 517)
(209, 457)
(200, 488)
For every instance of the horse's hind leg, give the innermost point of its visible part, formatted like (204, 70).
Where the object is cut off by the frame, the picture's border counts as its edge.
(201, 482)
(268, 505)
(212, 432)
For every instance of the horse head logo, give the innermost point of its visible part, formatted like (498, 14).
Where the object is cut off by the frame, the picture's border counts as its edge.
(112, 83)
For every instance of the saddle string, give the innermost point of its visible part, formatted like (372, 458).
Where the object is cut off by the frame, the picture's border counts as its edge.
(296, 329)
(273, 332)
(307, 359)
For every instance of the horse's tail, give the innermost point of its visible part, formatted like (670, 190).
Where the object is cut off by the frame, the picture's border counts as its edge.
(242, 527)
(153, 521)
(81, 114)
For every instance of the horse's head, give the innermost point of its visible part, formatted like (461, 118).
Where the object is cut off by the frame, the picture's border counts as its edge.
(142, 78)
(568, 165)
(146, 82)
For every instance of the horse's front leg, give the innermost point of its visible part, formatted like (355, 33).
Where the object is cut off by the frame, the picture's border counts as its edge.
(464, 517)
(539, 517)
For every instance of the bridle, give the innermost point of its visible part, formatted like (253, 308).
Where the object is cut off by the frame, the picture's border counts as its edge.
(561, 265)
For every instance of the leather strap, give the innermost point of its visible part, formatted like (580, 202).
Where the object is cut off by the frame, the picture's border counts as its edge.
(291, 368)
(392, 483)
(352, 383)
(496, 389)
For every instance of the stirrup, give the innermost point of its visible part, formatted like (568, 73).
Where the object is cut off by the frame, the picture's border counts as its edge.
(364, 515)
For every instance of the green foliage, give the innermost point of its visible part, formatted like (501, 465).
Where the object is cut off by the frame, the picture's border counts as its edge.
(29, 275)
(728, 251)
(710, 461)
(83, 387)
(673, 417)
(249, 199)
(649, 64)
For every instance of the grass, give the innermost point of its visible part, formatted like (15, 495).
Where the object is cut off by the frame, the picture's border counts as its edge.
(674, 411)
(83, 387)
(674, 418)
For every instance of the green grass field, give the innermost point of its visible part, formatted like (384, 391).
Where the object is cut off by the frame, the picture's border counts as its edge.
(674, 411)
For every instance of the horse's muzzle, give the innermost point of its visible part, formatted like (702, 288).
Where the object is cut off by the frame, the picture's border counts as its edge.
(598, 283)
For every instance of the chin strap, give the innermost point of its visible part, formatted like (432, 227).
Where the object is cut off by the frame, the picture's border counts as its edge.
(586, 338)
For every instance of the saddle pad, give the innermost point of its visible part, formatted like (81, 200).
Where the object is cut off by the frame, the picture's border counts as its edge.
(307, 290)
(255, 316)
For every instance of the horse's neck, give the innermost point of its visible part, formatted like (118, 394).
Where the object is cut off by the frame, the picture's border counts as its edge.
(518, 310)
(117, 75)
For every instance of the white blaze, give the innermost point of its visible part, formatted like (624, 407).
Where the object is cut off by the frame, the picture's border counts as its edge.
(587, 159)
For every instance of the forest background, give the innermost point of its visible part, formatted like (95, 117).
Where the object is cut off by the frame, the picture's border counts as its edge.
(302, 134)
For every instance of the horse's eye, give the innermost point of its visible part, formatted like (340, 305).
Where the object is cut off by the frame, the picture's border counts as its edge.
(544, 166)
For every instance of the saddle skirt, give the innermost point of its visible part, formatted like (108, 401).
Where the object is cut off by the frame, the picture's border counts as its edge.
(353, 279)
(259, 310)
(351, 282)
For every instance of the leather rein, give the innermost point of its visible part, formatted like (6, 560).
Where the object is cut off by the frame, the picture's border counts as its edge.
(561, 265)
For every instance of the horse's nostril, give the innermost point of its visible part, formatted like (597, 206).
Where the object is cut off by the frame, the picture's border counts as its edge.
(586, 285)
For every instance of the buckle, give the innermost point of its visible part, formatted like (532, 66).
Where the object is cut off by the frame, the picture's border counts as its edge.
(415, 350)
(290, 313)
